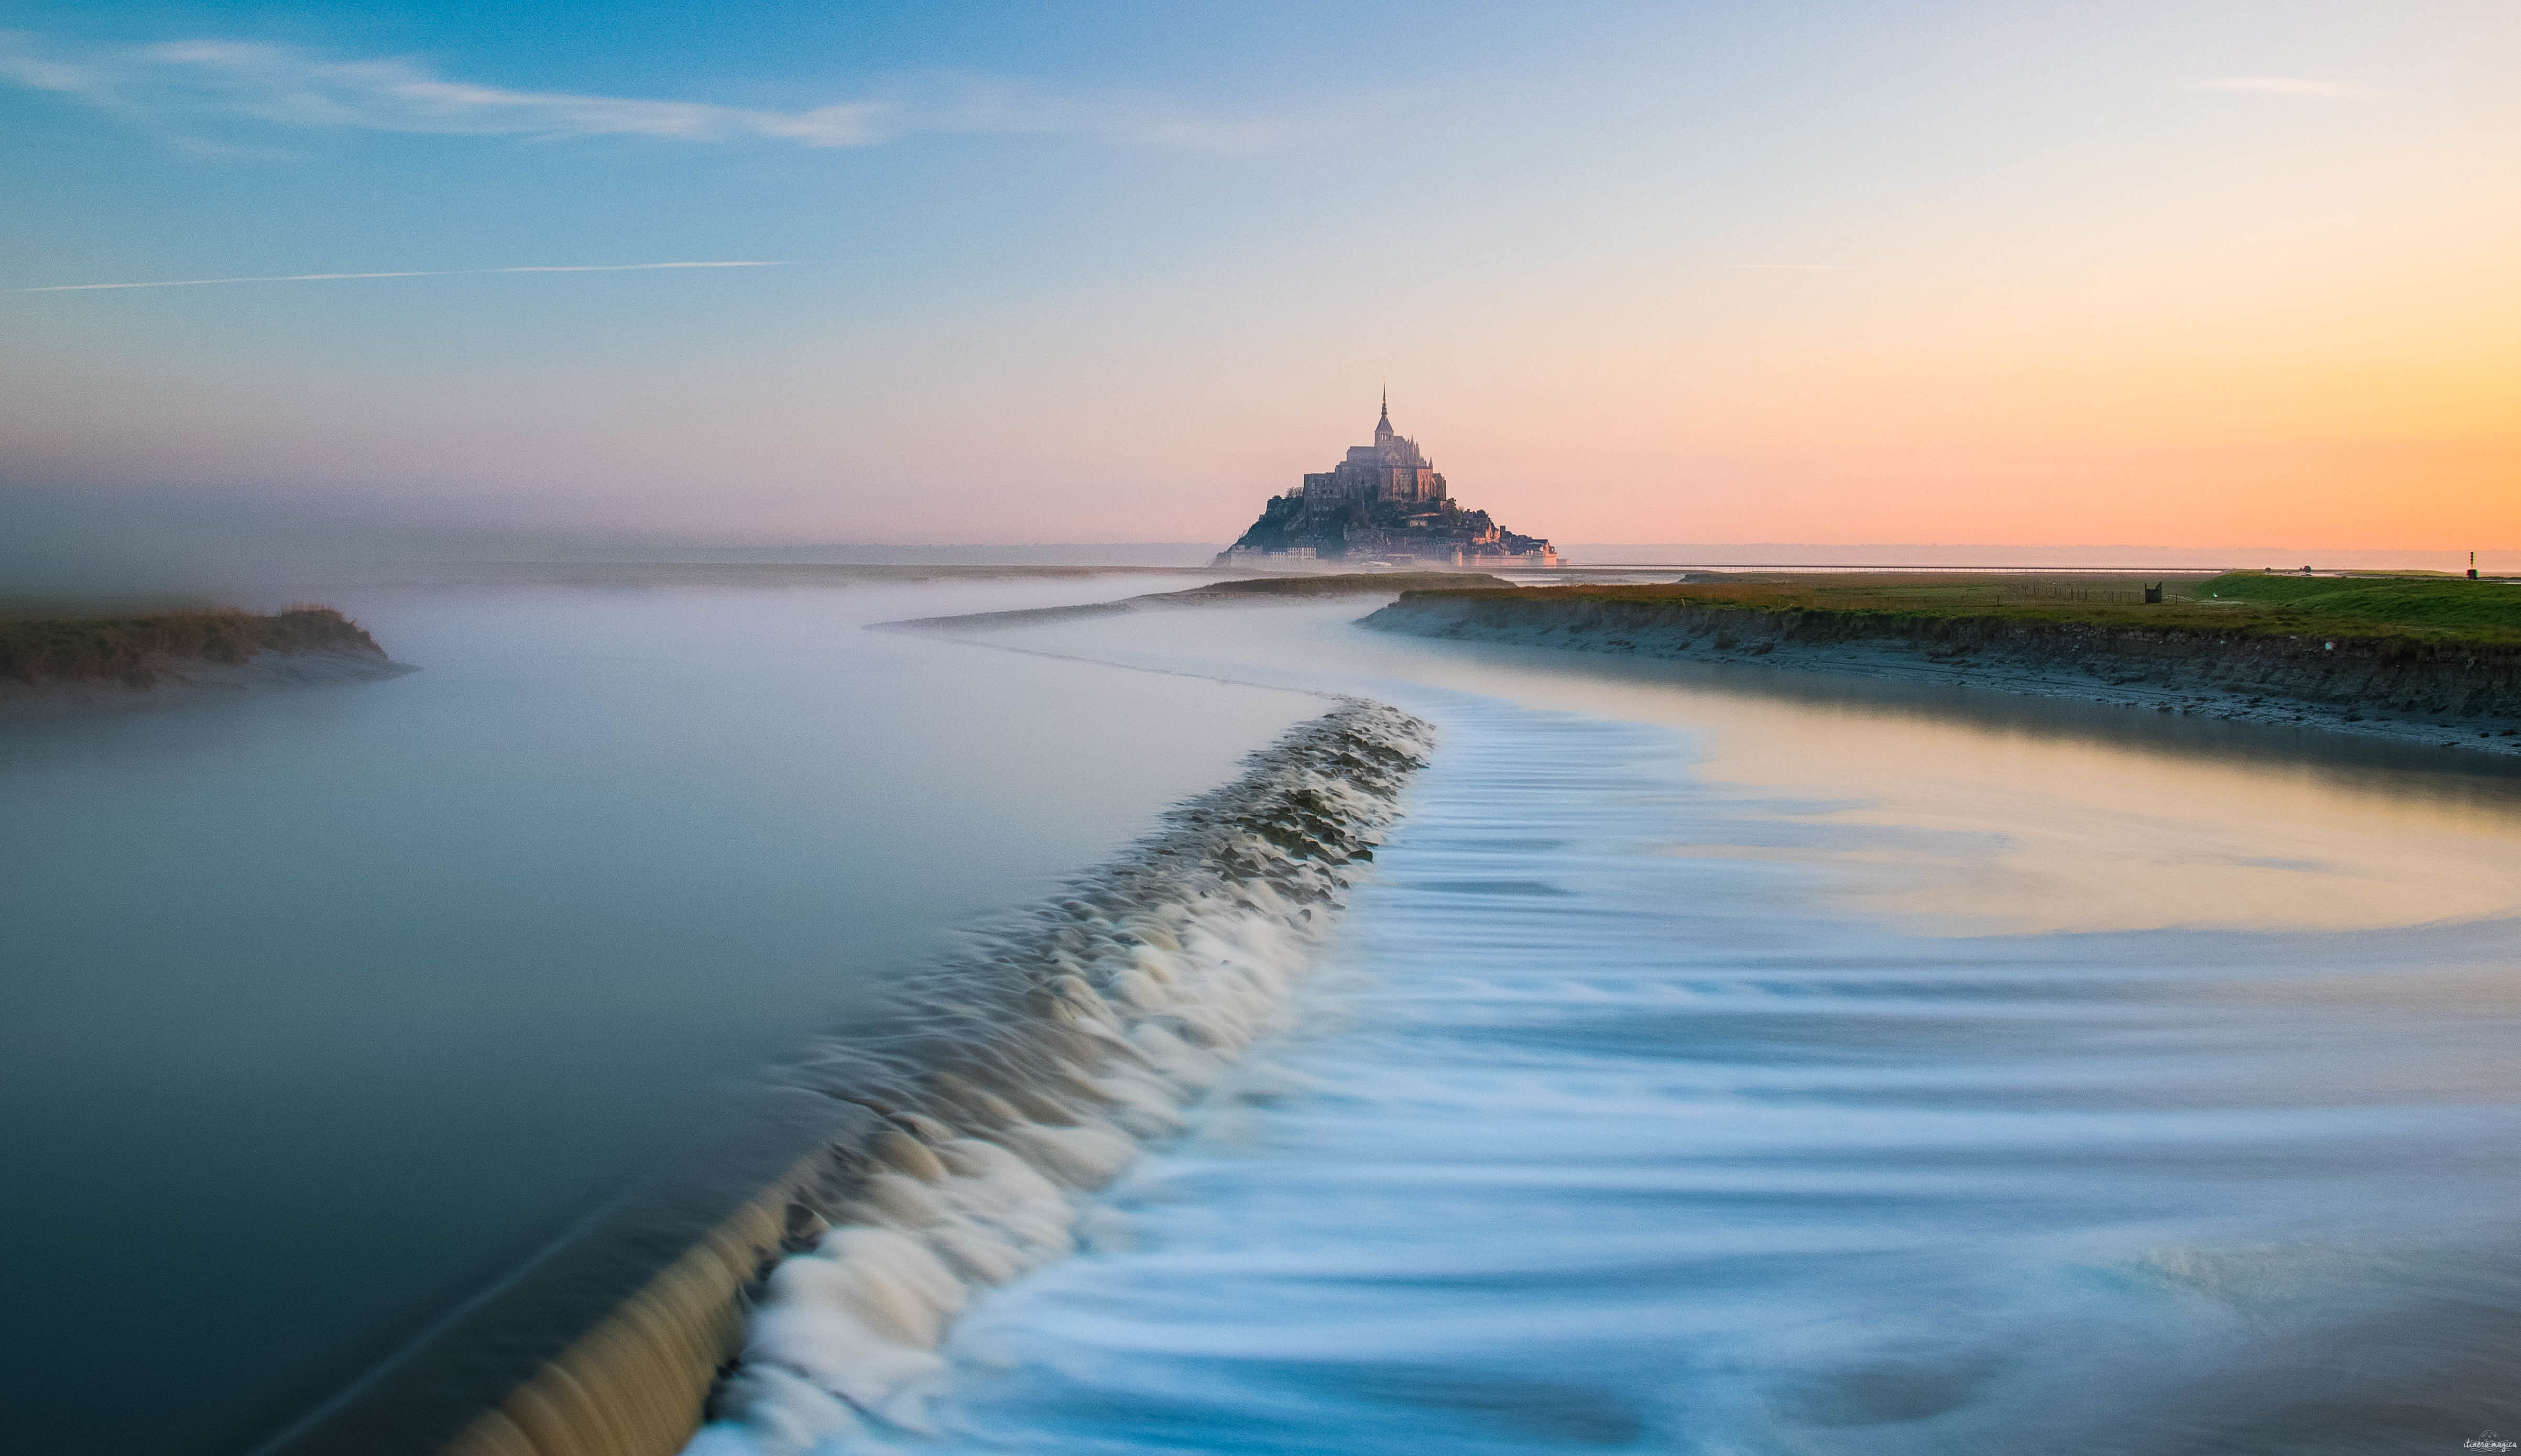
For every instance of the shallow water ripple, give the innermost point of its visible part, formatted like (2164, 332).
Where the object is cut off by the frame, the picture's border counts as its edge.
(1600, 1146)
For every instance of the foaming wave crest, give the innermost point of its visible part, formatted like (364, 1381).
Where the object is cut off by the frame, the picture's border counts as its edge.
(1030, 1072)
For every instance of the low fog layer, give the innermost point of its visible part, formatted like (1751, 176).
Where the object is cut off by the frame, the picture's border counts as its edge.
(62, 544)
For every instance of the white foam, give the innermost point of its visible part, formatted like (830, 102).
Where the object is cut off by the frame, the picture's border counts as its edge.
(1153, 983)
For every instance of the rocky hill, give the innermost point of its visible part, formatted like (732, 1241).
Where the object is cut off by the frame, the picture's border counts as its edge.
(1383, 501)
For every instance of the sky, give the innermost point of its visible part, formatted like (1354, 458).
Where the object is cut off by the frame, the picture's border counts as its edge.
(2181, 274)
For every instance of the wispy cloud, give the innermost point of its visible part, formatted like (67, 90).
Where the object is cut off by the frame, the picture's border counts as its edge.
(82, 288)
(2299, 87)
(183, 83)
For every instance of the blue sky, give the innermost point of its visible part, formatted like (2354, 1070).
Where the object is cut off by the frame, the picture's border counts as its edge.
(1715, 271)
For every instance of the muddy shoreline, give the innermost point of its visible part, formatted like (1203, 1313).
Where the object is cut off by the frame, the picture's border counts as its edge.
(178, 681)
(76, 666)
(2450, 696)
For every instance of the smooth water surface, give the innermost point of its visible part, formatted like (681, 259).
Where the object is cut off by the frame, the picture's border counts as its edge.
(326, 1006)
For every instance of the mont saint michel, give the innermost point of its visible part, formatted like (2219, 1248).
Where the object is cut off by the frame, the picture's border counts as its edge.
(1384, 501)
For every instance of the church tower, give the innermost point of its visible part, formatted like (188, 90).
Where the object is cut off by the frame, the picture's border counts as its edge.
(1382, 500)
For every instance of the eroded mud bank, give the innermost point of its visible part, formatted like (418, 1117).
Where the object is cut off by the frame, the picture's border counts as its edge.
(2465, 696)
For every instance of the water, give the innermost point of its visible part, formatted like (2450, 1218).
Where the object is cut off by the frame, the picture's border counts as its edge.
(326, 1008)
(1724, 1061)
(1715, 1059)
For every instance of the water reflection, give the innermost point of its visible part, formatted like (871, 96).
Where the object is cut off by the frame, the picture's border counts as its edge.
(326, 1008)
(1727, 1070)
(1994, 813)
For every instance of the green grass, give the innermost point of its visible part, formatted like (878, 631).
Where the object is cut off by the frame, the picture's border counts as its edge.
(130, 649)
(2428, 608)
(2451, 605)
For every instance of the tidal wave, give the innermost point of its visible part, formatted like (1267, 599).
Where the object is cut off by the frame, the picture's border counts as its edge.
(1033, 1069)
(1618, 1147)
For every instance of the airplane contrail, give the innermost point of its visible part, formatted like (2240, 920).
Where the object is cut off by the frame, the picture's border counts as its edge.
(76, 288)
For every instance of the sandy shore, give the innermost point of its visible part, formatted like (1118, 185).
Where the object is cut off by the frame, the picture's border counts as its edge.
(1265, 590)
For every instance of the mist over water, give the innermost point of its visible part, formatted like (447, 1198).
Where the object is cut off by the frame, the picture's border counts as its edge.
(1712, 1061)
(1726, 1063)
(327, 1006)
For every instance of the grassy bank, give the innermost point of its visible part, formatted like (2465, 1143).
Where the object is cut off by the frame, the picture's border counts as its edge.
(133, 649)
(2429, 610)
(2433, 609)
(2434, 661)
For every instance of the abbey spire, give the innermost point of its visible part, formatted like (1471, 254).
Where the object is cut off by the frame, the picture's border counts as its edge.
(1383, 503)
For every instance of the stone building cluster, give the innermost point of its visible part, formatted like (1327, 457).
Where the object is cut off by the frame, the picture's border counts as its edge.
(1383, 502)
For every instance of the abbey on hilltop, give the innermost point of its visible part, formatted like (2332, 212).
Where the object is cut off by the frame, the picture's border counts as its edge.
(1384, 502)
